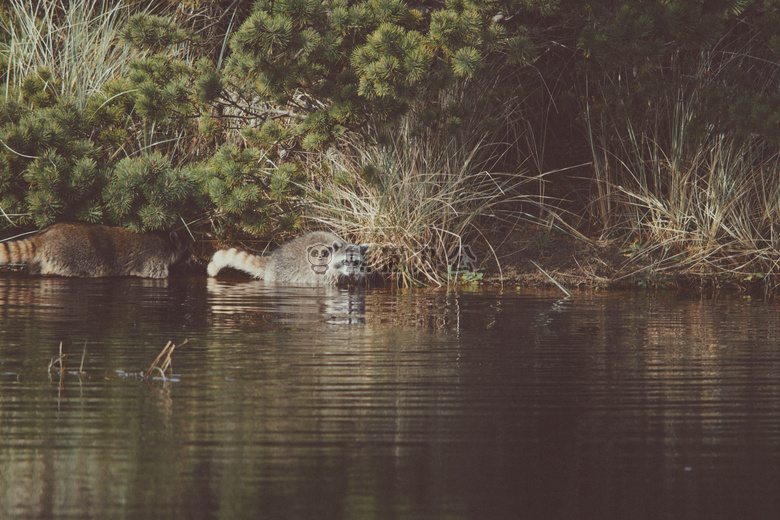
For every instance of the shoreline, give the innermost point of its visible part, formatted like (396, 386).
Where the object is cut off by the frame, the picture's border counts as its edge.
(599, 264)
(530, 257)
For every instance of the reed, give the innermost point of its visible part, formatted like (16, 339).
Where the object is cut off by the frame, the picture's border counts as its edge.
(423, 201)
(60, 362)
(704, 204)
(76, 41)
(553, 280)
(58, 365)
(83, 358)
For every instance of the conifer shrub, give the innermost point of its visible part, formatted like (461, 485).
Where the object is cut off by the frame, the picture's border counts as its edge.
(249, 193)
(147, 193)
(340, 66)
(223, 115)
(51, 170)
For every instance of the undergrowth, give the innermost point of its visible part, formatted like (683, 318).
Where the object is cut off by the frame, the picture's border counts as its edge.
(704, 204)
(422, 201)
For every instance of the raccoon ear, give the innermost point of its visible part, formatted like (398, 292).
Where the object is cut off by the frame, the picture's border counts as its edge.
(336, 245)
(364, 248)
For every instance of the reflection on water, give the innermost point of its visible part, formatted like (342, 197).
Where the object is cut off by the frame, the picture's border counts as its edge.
(232, 303)
(372, 403)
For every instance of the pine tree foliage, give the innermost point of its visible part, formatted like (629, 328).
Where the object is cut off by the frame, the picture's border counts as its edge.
(209, 84)
(49, 167)
(147, 193)
(161, 90)
(366, 61)
(197, 129)
(154, 33)
(41, 89)
(54, 166)
(249, 193)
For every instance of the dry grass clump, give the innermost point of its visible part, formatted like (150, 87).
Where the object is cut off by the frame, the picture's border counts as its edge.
(702, 205)
(421, 201)
(77, 42)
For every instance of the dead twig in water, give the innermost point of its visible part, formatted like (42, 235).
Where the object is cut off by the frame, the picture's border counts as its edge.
(553, 280)
(59, 360)
(83, 356)
(165, 357)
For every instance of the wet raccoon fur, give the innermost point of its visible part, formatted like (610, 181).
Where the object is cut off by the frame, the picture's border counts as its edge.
(90, 250)
(317, 258)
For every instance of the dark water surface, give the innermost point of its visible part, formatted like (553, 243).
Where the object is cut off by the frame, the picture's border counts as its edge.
(379, 404)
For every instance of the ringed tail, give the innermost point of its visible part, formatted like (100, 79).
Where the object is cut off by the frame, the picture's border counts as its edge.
(237, 259)
(17, 252)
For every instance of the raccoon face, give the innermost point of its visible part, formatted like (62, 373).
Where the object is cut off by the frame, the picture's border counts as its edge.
(349, 260)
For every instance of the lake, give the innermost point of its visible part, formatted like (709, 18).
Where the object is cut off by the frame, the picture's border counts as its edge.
(325, 403)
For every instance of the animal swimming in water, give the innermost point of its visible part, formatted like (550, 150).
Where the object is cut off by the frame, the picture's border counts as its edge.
(91, 250)
(317, 258)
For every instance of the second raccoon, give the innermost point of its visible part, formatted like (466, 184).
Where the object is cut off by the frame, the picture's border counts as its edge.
(91, 250)
(317, 258)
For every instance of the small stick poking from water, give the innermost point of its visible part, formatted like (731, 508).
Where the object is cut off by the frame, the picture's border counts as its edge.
(61, 361)
(553, 280)
(83, 356)
(165, 357)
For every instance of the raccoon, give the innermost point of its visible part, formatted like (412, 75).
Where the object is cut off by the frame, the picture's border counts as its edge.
(317, 258)
(91, 251)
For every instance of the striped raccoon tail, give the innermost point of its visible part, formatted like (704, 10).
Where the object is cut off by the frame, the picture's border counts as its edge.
(18, 251)
(237, 259)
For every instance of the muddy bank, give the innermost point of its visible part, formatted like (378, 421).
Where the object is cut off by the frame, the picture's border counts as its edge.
(570, 261)
(597, 264)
